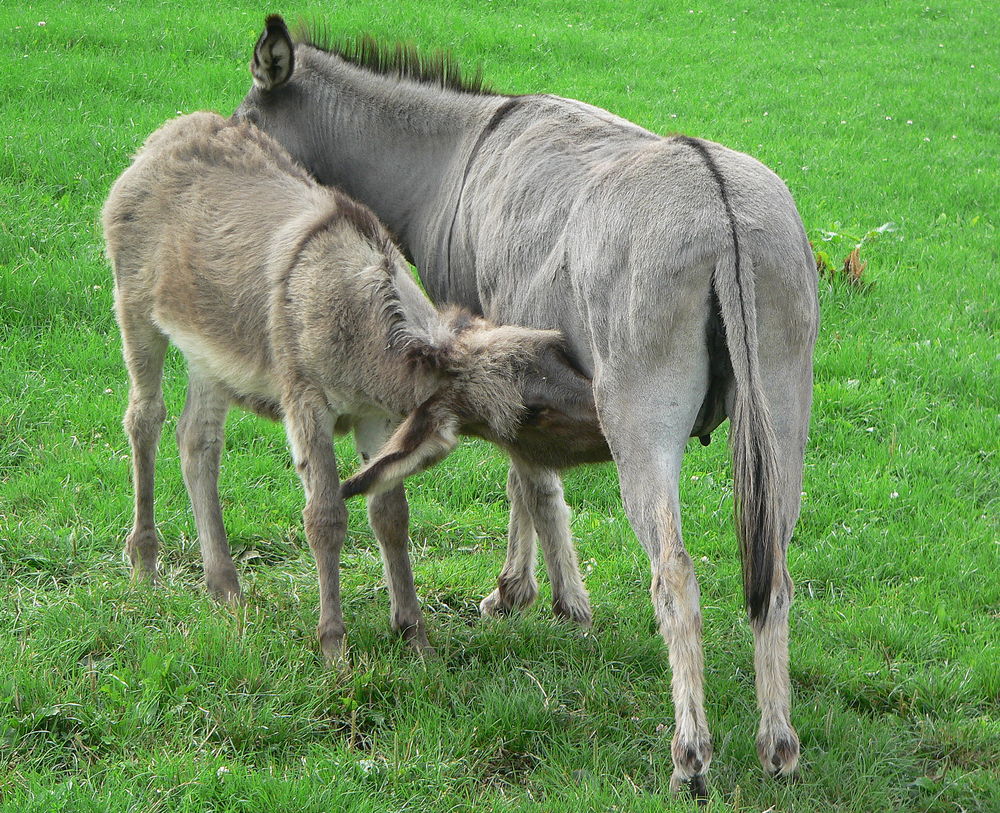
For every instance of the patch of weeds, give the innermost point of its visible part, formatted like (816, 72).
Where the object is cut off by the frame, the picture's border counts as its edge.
(852, 270)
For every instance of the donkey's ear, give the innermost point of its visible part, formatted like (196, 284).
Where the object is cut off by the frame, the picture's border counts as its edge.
(273, 55)
(423, 439)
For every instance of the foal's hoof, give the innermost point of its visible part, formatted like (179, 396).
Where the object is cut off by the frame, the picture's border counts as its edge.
(225, 589)
(416, 639)
(492, 606)
(334, 654)
(332, 644)
(140, 550)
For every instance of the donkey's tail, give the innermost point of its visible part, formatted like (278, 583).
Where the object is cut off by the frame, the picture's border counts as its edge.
(751, 433)
(751, 440)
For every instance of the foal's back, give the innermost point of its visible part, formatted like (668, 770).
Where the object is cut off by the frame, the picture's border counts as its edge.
(210, 216)
(191, 227)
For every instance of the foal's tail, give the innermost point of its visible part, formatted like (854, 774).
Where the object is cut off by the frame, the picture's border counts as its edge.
(751, 438)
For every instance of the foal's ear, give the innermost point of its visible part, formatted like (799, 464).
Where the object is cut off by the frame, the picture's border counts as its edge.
(423, 439)
(273, 55)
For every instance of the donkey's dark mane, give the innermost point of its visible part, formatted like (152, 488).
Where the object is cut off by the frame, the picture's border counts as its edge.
(400, 60)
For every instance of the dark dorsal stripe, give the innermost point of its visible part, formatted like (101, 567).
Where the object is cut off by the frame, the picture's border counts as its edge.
(399, 60)
(491, 125)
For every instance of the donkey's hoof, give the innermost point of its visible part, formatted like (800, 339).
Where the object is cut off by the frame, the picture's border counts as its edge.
(691, 755)
(509, 597)
(575, 609)
(778, 751)
(696, 786)
(140, 550)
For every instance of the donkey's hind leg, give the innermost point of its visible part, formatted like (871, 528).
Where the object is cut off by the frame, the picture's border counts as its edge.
(389, 517)
(787, 381)
(647, 418)
(200, 441)
(144, 348)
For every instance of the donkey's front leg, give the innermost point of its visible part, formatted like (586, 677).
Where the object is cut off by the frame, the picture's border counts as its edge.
(389, 517)
(517, 586)
(310, 433)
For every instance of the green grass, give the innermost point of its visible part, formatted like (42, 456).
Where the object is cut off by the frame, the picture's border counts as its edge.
(117, 697)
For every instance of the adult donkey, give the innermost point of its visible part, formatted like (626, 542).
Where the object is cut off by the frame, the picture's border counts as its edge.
(678, 271)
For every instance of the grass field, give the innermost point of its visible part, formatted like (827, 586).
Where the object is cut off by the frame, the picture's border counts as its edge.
(114, 696)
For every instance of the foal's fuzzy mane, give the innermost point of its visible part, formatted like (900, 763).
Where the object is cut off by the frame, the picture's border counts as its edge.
(400, 60)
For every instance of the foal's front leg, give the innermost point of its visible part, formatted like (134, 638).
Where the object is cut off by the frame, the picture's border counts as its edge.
(389, 517)
(310, 433)
(538, 510)
(517, 586)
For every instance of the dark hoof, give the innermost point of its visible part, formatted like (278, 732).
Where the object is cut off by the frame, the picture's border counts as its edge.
(416, 639)
(698, 788)
(576, 612)
(779, 756)
(225, 590)
(508, 599)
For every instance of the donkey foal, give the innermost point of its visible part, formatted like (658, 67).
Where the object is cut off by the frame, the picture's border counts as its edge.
(290, 299)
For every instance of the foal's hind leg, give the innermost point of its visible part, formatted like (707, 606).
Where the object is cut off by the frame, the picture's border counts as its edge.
(310, 433)
(389, 516)
(144, 348)
(200, 441)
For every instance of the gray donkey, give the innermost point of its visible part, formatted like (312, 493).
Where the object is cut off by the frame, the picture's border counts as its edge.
(678, 271)
(290, 299)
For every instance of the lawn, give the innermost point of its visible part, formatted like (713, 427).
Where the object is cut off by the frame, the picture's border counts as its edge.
(883, 120)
